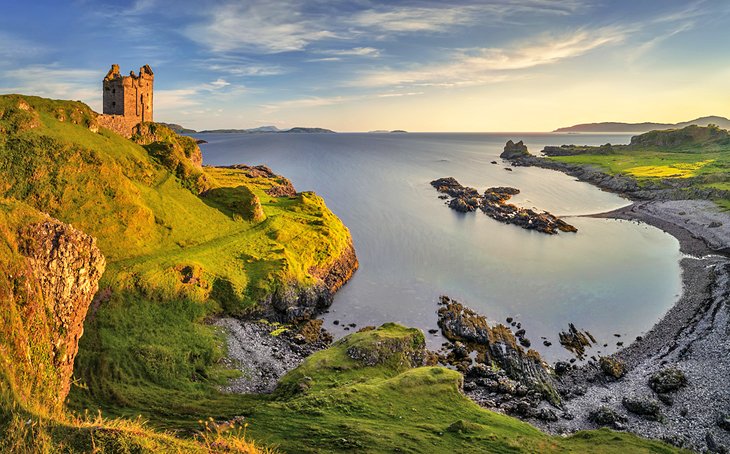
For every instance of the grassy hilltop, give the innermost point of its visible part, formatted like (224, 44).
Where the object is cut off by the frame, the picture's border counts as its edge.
(184, 243)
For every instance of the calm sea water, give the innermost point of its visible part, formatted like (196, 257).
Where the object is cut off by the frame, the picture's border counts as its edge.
(611, 277)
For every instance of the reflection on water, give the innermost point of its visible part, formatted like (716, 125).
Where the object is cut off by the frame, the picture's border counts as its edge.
(610, 277)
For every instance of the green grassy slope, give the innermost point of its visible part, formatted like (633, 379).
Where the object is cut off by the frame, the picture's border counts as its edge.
(700, 155)
(174, 256)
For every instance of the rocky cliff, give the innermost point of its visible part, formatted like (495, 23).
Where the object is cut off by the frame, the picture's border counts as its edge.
(50, 275)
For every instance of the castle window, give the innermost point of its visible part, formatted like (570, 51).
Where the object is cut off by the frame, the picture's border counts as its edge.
(114, 104)
(114, 90)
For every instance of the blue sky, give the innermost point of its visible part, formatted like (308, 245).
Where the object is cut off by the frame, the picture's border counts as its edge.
(514, 65)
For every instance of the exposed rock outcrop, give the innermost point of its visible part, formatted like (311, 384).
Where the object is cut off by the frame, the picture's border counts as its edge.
(49, 272)
(494, 204)
(469, 332)
(514, 150)
(67, 266)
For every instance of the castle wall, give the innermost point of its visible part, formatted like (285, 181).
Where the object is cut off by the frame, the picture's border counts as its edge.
(120, 124)
(127, 100)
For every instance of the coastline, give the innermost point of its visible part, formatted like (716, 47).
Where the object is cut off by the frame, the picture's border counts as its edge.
(692, 336)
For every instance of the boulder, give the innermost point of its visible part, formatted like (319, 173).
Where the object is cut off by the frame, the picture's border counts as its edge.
(667, 380)
(643, 406)
(612, 367)
(605, 416)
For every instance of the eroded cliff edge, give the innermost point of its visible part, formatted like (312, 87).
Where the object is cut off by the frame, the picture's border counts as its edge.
(51, 272)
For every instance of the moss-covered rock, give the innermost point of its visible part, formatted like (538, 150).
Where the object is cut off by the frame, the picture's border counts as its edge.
(612, 367)
(668, 380)
(496, 346)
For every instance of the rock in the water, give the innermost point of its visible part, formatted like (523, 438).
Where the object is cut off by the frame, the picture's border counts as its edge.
(667, 380)
(514, 150)
(643, 406)
(576, 341)
(494, 204)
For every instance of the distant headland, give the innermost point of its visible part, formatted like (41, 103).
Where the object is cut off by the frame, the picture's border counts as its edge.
(722, 122)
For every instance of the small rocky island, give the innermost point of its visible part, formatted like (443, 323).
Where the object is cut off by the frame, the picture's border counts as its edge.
(494, 204)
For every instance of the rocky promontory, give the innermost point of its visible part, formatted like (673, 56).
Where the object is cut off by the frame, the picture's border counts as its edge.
(494, 204)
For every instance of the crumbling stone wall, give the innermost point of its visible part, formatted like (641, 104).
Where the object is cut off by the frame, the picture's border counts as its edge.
(127, 100)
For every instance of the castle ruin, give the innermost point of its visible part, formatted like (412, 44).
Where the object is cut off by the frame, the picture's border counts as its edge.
(127, 99)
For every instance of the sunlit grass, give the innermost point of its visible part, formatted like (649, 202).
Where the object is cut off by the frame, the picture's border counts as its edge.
(678, 170)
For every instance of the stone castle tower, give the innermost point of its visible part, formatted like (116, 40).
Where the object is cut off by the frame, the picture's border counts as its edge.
(128, 100)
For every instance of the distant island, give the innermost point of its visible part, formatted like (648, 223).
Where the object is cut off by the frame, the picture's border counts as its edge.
(261, 129)
(644, 127)
(385, 131)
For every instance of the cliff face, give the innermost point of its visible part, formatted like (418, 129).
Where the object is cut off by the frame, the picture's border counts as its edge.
(50, 275)
(295, 302)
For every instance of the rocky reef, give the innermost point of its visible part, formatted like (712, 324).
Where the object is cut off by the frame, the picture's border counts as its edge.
(494, 204)
(499, 372)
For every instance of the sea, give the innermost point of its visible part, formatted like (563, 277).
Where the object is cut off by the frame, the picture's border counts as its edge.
(613, 278)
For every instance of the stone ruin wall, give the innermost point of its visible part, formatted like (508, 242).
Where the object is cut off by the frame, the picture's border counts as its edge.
(127, 100)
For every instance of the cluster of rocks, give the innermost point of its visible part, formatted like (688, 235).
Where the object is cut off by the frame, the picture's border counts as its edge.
(499, 373)
(494, 204)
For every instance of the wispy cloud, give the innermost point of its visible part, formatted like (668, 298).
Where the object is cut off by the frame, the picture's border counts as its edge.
(309, 102)
(315, 101)
(441, 18)
(197, 95)
(354, 52)
(489, 65)
(13, 47)
(54, 81)
(284, 26)
(267, 27)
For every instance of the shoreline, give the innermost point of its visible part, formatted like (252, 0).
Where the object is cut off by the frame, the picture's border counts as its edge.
(692, 336)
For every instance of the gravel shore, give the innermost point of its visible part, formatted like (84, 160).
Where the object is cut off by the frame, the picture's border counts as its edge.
(261, 357)
(692, 337)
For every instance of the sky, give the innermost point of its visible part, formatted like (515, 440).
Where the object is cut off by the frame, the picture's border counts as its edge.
(361, 65)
